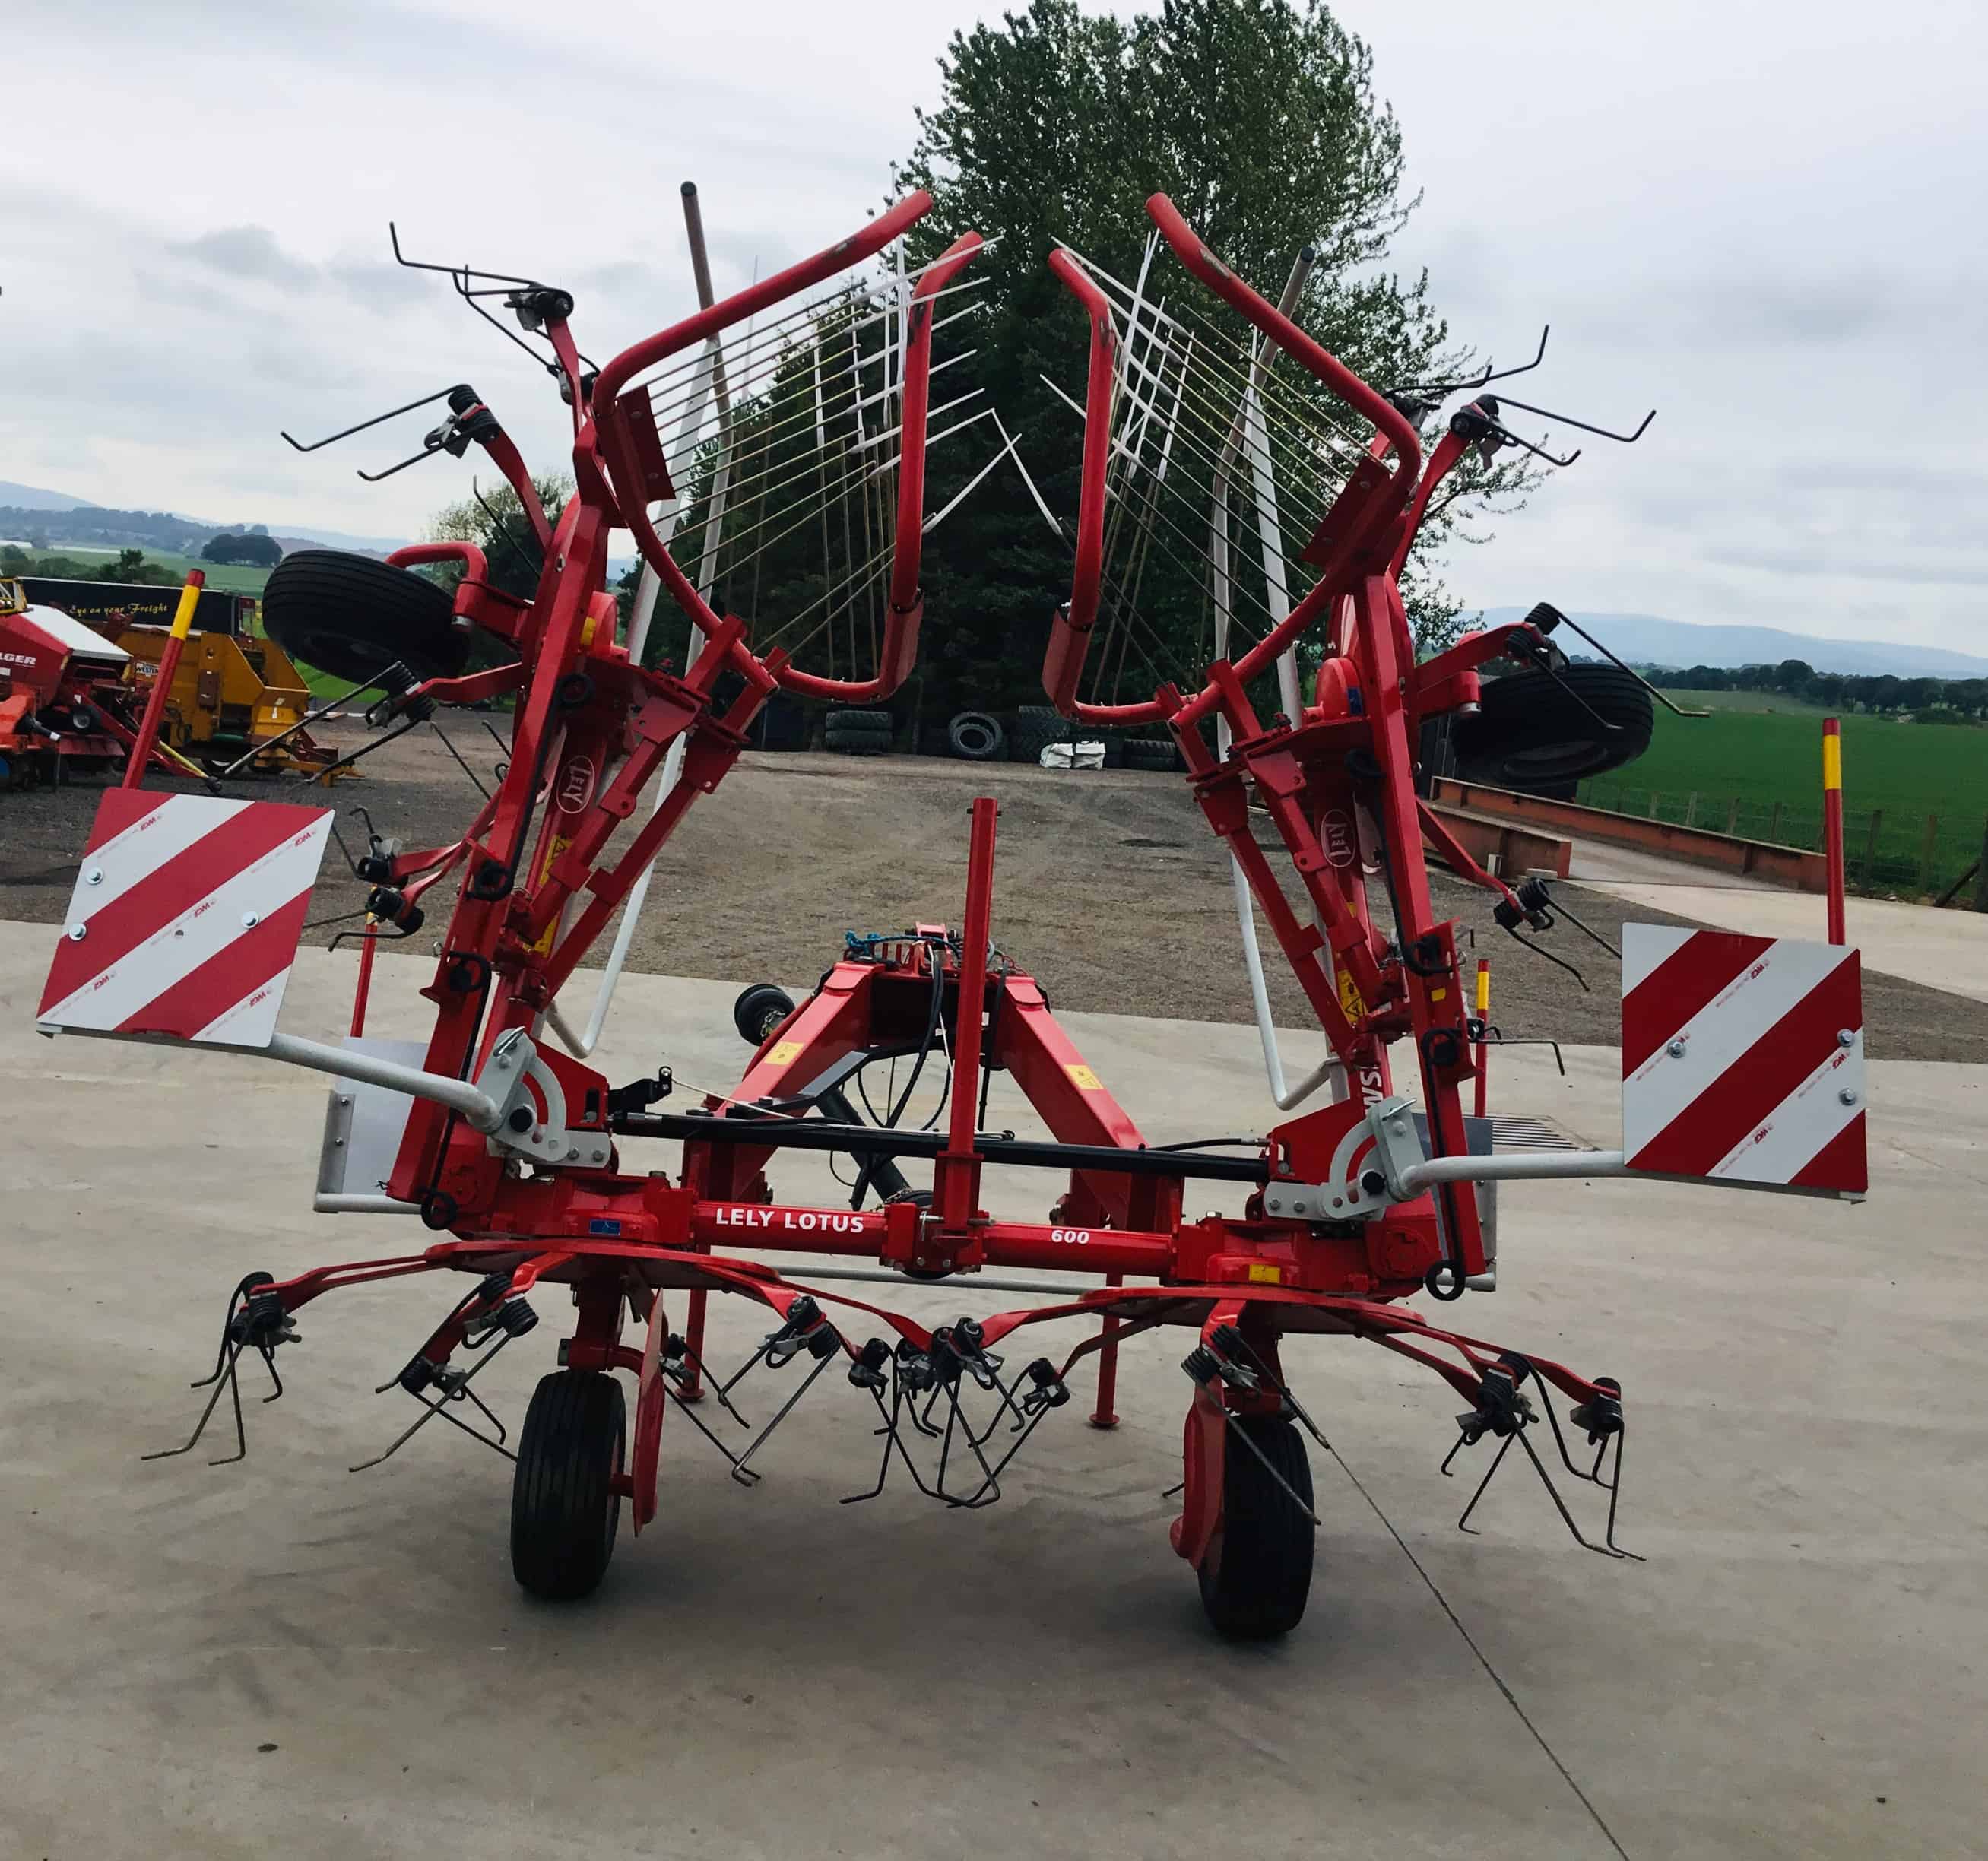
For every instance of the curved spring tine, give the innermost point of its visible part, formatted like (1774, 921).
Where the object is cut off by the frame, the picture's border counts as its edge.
(223, 1378)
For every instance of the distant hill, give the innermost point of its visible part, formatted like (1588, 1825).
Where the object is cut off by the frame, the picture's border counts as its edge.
(1646, 639)
(34, 497)
(75, 525)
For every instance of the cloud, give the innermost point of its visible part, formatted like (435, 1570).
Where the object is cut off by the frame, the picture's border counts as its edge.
(248, 253)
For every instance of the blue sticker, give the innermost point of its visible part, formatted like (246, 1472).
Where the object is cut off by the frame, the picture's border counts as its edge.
(599, 1226)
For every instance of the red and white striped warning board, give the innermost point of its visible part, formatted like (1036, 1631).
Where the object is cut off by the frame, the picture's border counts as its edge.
(186, 917)
(1742, 1058)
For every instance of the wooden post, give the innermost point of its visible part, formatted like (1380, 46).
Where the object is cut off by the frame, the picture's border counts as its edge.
(1655, 798)
(1870, 844)
(1981, 873)
(1733, 816)
(1928, 850)
(1690, 811)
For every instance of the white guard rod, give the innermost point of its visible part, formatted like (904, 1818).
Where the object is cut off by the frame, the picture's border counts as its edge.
(1287, 1096)
(363, 1205)
(477, 1105)
(1554, 1165)
(710, 380)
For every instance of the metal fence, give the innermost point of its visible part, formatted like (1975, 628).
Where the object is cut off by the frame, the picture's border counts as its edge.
(1885, 850)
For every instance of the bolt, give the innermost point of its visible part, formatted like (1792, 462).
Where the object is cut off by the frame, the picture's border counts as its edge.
(1372, 1182)
(78, 931)
(1275, 1204)
(1675, 1049)
(572, 1155)
(1844, 1037)
(338, 1143)
(250, 919)
(1847, 1097)
(94, 876)
(345, 1098)
(1339, 1202)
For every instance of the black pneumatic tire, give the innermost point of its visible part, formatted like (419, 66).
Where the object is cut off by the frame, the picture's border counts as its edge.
(976, 737)
(1036, 726)
(859, 733)
(1533, 732)
(760, 1009)
(1151, 753)
(564, 1508)
(353, 616)
(859, 723)
(1257, 1574)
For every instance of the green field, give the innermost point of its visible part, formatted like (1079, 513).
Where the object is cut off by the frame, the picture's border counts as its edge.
(233, 578)
(1759, 774)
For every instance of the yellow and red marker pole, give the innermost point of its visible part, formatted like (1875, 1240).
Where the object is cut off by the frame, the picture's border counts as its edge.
(169, 663)
(1484, 1021)
(1832, 822)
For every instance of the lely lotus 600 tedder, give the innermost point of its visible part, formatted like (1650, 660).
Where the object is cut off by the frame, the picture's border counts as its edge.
(1743, 1059)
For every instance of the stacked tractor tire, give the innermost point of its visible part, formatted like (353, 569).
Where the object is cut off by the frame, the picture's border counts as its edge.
(859, 733)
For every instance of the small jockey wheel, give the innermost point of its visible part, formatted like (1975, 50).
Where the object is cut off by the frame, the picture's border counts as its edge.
(1257, 1571)
(564, 1505)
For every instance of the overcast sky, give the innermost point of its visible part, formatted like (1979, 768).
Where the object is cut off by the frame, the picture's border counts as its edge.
(1766, 220)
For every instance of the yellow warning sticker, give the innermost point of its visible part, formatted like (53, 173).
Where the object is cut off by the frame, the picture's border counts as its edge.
(1350, 1003)
(785, 1054)
(560, 843)
(1266, 1273)
(1084, 1079)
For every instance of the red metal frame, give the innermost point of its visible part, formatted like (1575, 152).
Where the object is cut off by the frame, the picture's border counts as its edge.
(537, 887)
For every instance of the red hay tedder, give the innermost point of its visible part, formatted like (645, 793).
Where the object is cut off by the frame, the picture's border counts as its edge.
(1742, 1059)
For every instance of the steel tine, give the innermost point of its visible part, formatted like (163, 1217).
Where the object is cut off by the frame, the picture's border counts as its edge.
(739, 1468)
(1497, 1460)
(220, 1379)
(1238, 1433)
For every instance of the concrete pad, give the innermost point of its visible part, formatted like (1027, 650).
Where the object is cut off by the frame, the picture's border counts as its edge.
(1596, 862)
(1797, 1671)
(1942, 950)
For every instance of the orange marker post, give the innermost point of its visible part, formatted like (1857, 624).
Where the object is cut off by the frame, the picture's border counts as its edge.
(1832, 822)
(169, 663)
(1484, 1041)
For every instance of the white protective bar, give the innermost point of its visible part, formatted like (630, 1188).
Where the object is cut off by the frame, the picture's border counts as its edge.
(1248, 418)
(1523, 1168)
(710, 380)
(363, 1205)
(477, 1105)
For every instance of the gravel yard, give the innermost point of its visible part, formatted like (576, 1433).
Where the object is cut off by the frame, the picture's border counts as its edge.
(1110, 888)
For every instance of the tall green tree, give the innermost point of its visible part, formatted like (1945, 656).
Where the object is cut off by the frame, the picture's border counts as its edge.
(495, 522)
(1259, 118)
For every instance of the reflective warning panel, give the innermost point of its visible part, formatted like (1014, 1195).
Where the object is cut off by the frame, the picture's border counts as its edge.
(1742, 1058)
(186, 917)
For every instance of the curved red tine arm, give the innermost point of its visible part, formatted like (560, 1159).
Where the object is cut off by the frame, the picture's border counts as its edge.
(1069, 632)
(877, 234)
(1320, 363)
(899, 646)
(466, 553)
(602, 429)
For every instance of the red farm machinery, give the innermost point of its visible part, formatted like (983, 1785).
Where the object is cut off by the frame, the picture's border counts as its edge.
(1742, 1059)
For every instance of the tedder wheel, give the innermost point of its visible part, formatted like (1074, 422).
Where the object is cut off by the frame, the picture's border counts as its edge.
(1534, 729)
(564, 1508)
(976, 737)
(1257, 1573)
(353, 616)
(760, 1009)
